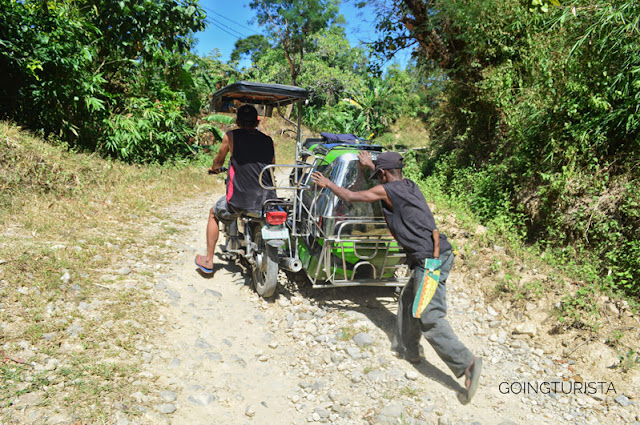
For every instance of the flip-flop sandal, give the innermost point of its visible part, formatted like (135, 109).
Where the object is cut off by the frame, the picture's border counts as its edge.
(474, 375)
(413, 360)
(203, 268)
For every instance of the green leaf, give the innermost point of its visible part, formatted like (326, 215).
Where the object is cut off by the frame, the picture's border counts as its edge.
(188, 65)
(223, 119)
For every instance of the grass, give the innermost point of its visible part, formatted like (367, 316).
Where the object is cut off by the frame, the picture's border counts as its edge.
(406, 391)
(347, 333)
(628, 360)
(63, 211)
(409, 392)
(405, 133)
(369, 368)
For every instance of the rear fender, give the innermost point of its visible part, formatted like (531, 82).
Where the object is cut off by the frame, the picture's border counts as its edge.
(276, 243)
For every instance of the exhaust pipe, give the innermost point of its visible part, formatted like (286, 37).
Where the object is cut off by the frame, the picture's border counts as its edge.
(292, 264)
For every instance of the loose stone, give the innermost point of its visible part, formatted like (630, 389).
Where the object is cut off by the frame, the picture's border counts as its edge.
(250, 411)
(623, 400)
(202, 399)
(411, 375)
(201, 343)
(166, 408)
(168, 395)
(212, 293)
(363, 340)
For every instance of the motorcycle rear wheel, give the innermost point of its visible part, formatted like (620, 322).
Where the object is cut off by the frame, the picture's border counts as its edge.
(265, 269)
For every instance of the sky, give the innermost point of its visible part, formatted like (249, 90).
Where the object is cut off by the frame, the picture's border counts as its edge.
(229, 21)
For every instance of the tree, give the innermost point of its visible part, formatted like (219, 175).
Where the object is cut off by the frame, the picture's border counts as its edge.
(333, 69)
(47, 62)
(254, 46)
(79, 68)
(293, 23)
(136, 34)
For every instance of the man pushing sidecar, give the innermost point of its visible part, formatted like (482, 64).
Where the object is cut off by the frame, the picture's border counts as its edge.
(412, 224)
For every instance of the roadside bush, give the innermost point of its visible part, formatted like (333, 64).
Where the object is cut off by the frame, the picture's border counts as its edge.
(78, 70)
(148, 131)
(538, 127)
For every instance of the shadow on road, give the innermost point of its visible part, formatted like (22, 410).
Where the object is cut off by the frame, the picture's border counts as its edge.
(230, 266)
(378, 304)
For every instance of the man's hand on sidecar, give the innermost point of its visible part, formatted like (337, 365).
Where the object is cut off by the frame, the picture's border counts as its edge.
(365, 160)
(319, 179)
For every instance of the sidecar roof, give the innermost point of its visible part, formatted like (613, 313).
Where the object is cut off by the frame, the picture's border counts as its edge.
(259, 94)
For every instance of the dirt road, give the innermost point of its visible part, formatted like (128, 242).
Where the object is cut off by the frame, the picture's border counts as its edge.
(222, 355)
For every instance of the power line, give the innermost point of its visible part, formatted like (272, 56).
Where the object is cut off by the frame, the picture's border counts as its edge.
(222, 24)
(240, 34)
(228, 19)
(223, 29)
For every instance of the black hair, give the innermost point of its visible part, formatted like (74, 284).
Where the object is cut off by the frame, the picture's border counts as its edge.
(247, 116)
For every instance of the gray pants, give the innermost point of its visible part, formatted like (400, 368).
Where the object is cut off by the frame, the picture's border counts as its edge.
(432, 323)
(225, 212)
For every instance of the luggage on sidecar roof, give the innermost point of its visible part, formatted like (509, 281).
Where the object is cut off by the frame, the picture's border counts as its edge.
(332, 138)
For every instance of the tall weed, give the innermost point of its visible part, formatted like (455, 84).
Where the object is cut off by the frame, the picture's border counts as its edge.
(148, 131)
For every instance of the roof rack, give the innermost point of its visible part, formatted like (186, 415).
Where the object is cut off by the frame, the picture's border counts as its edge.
(324, 148)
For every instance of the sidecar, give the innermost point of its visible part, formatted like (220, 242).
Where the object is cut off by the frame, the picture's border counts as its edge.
(340, 243)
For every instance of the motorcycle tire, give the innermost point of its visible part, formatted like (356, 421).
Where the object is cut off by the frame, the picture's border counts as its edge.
(265, 269)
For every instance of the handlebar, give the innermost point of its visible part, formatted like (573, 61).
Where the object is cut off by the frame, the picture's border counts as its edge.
(222, 170)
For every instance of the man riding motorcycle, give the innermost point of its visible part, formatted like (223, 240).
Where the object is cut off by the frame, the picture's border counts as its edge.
(251, 150)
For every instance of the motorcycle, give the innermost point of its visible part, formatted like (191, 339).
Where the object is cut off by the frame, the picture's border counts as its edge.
(260, 241)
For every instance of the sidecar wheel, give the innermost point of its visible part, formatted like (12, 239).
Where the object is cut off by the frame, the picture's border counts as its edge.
(265, 270)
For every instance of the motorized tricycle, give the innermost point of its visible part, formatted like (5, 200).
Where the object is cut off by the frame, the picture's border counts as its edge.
(307, 228)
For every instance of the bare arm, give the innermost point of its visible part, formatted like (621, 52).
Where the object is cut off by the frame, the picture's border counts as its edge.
(225, 147)
(376, 193)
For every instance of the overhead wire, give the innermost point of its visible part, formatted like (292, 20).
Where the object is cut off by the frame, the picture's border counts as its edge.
(228, 19)
(225, 28)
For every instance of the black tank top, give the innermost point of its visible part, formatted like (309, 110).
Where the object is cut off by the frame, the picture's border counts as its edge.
(411, 221)
(252, 151)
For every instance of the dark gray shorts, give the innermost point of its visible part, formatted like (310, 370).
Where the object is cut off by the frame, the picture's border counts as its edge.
(225, 212)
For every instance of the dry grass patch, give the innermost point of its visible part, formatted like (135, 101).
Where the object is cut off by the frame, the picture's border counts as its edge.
(70, 316)
(406, 133)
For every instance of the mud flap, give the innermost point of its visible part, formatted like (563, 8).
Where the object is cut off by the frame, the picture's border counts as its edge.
(276, 243)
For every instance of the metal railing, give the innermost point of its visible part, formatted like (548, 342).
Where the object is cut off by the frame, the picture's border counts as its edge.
(383, 248)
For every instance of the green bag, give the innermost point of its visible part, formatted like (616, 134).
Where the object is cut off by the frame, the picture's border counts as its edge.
(429, 284)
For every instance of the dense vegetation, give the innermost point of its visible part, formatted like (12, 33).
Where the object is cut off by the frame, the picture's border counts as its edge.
(538, 126)
(101, 75)
(533, 106)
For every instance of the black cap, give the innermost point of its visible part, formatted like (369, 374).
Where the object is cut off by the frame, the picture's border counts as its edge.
(387, 161)
(247, 113)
